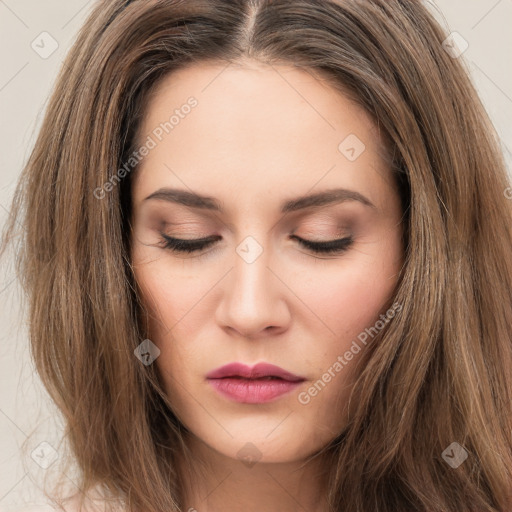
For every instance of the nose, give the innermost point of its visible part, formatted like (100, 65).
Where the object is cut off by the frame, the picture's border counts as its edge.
(253, 302)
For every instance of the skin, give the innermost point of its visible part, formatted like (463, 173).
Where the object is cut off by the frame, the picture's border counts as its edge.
(258, 137)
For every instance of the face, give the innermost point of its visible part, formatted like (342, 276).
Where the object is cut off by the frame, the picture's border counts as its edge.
(259, 170)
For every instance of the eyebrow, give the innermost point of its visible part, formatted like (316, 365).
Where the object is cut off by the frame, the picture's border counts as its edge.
(327, 197)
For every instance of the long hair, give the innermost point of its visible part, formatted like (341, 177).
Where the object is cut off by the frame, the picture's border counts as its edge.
(441, 372)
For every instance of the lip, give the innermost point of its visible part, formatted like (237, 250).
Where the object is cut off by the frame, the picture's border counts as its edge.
(255, 372)
(245, 384)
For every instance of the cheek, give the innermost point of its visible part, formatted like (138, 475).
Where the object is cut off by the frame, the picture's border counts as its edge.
(167, 295)
(167, 299)
(350, 298)
(171, 300)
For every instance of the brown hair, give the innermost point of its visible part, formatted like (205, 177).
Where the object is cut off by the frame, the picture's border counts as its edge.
(441, 371)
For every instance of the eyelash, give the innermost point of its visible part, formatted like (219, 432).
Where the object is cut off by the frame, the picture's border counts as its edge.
(189, 246)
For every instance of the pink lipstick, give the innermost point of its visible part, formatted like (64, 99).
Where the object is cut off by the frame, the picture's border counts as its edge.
(262, 383)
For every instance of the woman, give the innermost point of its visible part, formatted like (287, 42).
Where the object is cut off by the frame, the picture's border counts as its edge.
(267, 250)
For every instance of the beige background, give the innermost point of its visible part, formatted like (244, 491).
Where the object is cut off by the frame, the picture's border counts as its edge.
(25, 82)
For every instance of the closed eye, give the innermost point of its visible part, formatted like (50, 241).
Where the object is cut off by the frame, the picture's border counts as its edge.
(328, 247)
(179, 245)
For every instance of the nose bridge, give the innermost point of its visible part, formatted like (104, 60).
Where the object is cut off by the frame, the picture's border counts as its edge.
(250, 275)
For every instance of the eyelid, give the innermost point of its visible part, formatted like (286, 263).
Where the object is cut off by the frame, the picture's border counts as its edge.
(188, 245)
(336, 246)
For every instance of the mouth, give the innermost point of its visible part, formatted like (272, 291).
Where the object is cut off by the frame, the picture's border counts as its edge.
(259, 384)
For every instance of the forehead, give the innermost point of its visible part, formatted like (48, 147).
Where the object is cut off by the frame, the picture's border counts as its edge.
(257, 97)
(255, 126)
